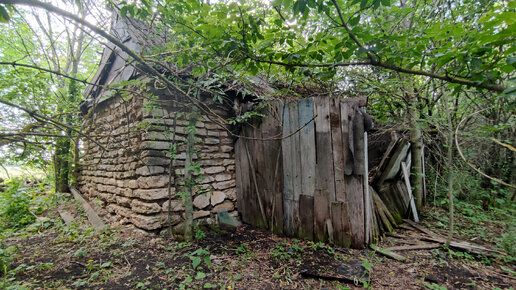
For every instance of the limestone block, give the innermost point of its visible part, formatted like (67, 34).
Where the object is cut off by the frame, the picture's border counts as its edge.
(146, 222)
(207, 179)
(156, 145)
(227, 162)
(152, 194)
(213, 170)
(119, 210)
(224, 184)
(213, 133)
(200, 214)
(210, 162)
(211, 141)
(211, 126)
(182, 156)
(226, 148)
(226, 140)
(221, 155)
(131, 183)
(223, 177)
(231, 193)
(144, 207)
(201, 201)
(176, 205)
(217, 197)
(153, 161)
(157, 181)
(125, 192)
(121, 200)
(150, 170)
(227, 206)
(208, 149)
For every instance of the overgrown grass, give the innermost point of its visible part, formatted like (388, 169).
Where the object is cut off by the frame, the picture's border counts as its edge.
(481, 214)
(22, 199)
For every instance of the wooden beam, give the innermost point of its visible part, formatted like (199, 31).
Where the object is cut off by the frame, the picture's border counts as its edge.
(406, 177)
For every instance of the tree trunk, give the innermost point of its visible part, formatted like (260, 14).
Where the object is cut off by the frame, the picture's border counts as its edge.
(449, 164)
(62, 164)
(416, 141)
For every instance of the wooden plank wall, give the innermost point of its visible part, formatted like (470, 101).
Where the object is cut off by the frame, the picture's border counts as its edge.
(312, 179)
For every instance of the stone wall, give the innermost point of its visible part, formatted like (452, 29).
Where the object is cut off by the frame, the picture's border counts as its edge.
(130, 179)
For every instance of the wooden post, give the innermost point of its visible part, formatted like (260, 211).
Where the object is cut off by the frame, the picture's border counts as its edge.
(367, 197)
(405, 171)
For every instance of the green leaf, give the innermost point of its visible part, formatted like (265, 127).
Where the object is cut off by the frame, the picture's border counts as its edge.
(364, 3)
(200, 275)
(386, 2)
(4, 15)
(354, 21)
(196, 261)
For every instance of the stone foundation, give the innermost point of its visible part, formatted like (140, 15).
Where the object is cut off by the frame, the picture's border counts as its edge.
(131, 178)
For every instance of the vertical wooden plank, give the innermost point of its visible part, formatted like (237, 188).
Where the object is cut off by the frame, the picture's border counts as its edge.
(242, 170)
(273, 176)
(238, 177)
(258, 158)
(321, 214)
(254, 215)
(307, 146)
(337, 149)
(358, 141)
(347, 154)
(295, 159)
(288, 189)
(278, 213)
(354, 192)
(324, 157)
(306, 209)
(338, 227)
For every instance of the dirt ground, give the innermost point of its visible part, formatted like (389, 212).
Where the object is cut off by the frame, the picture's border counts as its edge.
(54, 255)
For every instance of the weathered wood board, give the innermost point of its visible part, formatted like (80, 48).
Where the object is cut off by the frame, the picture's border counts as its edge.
(307, 146)
(306, 208)
(311, 180)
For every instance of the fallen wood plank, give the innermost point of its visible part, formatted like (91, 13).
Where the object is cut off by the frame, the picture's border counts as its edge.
(394, 235)
(66, 216)
(390, 254)
(459, 245)
(463, 246)
(415, 247)
(405, 227)
(420, 228)
(94, 219)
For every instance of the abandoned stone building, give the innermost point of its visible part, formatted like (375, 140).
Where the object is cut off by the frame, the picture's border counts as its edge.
(303, 170)
(126, 161)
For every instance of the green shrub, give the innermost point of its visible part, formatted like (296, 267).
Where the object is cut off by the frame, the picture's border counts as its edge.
(508, 244)
(15, 204)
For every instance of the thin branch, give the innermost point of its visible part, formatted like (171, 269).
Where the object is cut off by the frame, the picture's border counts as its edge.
(16, 64)
(464, 158)
(52, 122)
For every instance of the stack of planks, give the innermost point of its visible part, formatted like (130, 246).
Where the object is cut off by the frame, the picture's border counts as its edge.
(392, 193)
